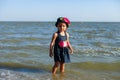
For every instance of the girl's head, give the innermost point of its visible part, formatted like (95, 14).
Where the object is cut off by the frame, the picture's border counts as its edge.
(62, 20)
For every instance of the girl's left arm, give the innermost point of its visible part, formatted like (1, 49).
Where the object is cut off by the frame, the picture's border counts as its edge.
(70, 47)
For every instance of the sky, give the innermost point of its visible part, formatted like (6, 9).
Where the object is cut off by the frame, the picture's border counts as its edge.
(50, 10)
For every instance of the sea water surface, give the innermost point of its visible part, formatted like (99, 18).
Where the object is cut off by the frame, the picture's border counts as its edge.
(24, 51)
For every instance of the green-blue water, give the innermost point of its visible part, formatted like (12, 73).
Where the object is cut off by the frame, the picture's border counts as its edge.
(24, 51)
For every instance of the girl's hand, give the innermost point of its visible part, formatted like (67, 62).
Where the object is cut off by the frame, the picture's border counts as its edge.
(51, 54)
(71, 51)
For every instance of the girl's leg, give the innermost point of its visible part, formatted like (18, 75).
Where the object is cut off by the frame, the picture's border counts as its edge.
(62, 67)
(55, 67)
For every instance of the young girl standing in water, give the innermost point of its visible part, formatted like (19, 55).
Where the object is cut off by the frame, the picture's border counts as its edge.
(60, 43)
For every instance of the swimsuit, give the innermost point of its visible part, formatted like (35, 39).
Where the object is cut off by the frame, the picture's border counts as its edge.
(61, 52)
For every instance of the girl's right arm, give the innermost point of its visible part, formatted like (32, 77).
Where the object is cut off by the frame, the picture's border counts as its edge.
(52, 44)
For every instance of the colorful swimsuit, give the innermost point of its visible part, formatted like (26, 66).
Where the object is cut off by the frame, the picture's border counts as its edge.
(61, 52)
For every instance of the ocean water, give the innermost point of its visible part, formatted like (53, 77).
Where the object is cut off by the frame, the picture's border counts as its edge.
(24, 51)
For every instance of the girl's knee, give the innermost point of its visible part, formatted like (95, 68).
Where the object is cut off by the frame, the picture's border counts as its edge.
(62, 64)
(57, 64)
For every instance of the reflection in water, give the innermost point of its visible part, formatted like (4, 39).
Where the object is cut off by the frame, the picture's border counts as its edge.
(59, 77)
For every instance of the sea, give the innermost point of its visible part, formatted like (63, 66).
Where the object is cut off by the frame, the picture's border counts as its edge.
(24, 51)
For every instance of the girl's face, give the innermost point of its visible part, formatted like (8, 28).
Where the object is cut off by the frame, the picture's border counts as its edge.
(62, 27)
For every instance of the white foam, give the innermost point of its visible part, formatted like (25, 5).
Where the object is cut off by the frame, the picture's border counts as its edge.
(6, 74)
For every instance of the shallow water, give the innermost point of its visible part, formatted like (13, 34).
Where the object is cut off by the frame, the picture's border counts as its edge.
(24, 49)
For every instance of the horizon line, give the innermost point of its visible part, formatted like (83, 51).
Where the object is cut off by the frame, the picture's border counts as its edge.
(55, 21)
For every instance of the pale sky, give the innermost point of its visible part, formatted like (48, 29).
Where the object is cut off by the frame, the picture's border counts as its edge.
(49, 10)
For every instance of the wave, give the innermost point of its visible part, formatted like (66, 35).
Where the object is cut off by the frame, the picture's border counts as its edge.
(20, 66)
(89, 65)
(94, 51)
(97, 66)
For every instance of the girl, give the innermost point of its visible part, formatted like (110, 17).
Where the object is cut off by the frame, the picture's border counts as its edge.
(60, 43)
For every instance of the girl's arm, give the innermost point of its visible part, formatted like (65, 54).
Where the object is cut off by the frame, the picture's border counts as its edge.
(70, 47)
(52, 44)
